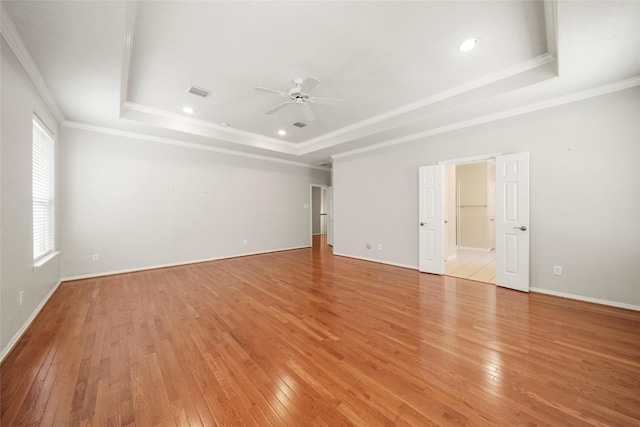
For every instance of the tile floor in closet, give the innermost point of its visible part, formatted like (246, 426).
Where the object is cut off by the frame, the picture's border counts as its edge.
(472, 264)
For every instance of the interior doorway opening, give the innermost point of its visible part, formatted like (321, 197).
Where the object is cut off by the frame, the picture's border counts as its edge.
(511, 218)
(319, 214)
(469, 231)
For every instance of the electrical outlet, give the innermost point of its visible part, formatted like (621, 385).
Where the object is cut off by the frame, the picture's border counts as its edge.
(245, 242)
(557, 270)
(21, 297)
(379, 246)
(368, 245)
(95, 258)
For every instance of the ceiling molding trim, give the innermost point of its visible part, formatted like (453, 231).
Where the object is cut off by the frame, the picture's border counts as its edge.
(127, 48)
(10, 34)
(476, 84)
(537, 106)
(206, 128)
(551, 25)
(143, 137)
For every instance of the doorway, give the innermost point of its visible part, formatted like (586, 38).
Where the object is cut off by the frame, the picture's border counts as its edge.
(469, 231)
(511, 218)
(319, 214)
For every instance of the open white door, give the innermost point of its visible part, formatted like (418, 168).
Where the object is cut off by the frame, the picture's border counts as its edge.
(431, 219)
(330, 216)
(512, 221)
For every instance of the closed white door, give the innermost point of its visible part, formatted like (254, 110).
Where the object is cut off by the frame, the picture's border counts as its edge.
(431, 219)
(512, 221)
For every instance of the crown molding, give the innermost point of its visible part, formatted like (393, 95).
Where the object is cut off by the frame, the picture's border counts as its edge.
(10, 34)
(204, 123)
(566, 99)
(157, 117)
(551, 25)
(476, 84)
(184, 144)
(127, 48)
(537, 106)
(168, 120)
(174, 121)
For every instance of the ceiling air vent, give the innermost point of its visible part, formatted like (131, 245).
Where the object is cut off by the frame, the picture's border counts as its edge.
(199, 91)
(300, 124)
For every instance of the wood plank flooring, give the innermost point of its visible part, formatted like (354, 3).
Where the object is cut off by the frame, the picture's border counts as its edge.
(305, 338)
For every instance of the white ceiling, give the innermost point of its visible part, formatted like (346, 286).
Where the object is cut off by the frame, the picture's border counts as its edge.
(127, 65)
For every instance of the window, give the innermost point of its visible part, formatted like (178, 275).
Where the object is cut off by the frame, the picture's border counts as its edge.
(42, 190)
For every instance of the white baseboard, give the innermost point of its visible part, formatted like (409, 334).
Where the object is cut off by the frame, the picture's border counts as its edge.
(177, 264)
(585, 299)
(532, 289)
(26, 325)
(412, 267)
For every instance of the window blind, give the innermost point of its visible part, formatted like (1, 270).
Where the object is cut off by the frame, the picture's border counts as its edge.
(42, 190)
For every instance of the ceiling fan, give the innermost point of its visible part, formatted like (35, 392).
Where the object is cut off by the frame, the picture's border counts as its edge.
(300, 95)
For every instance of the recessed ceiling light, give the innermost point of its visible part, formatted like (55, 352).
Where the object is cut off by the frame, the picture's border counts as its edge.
(188, 110)
(282, 132)
(225, 124)
(467, 45)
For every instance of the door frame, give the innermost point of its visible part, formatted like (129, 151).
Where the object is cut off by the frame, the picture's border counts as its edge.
(330, 233)
(321, 186)
(474, 159)
(465, 161)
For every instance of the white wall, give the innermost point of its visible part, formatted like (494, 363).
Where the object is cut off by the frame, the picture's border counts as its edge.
(585, 194)
(20, 100)
(139, 204)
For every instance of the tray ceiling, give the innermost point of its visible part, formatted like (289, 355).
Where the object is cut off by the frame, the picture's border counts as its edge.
(395, 65)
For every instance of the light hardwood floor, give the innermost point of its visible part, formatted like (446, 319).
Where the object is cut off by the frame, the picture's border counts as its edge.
(303, 338)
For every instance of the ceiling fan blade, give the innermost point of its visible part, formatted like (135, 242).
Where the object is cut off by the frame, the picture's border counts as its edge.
(320, 100)
(277, 107)
(265, 89)
(308, 114)
(309, 84)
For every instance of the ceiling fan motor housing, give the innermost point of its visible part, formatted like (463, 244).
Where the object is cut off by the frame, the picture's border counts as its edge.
(298, 96)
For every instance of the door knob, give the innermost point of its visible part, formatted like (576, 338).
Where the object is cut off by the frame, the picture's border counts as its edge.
(523, 228)
(422, 224)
